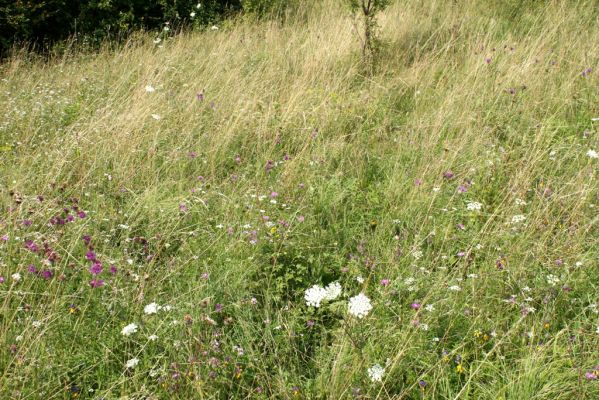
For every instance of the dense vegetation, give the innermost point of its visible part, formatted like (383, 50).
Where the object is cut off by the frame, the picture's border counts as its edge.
(39, 24)
(248, 212)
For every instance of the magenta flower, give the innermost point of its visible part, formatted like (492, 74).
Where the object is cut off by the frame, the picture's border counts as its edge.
(1, 279)
(27, 222)
(4, 238)
(301, 218)
(591, 376)
(218, 307)
(113, 270)
(81, 214)
(96, 268)
(87, 239)
(47, 274)
(415, 306)
(96, 283)
(385, 282)
(31, 268)
(31, 246)
(448, 175)
(91, 256)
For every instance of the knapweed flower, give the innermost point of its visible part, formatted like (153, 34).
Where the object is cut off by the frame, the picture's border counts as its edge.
(333, 290)
(129, 329)
(315, 295)
(376, 372)
(96, 268)
(151, 308)
(132, 363)
(359, 306)
(96, 283)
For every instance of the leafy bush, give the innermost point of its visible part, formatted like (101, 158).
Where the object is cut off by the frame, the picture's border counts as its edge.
(45, 22)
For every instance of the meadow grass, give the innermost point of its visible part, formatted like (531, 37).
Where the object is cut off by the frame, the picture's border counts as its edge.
(221, 174)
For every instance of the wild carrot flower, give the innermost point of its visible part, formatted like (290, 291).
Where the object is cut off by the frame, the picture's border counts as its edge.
(376, 372)
(315, 295)
(359, 306)
(151, 308)
(132, 363)
(129, 329)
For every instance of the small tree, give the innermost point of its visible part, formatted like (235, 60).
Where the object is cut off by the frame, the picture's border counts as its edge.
(367, 10)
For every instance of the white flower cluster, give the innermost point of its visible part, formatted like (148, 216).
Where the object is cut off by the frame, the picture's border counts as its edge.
(316, 294)
(518, 218)
(592, 154)
(552, 280)
(153, 308)
(132, 363)
(474, 206)
(359, 306)
(129, 329)
(376, 372)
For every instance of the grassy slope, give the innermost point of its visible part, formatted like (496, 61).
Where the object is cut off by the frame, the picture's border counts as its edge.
(361, 159)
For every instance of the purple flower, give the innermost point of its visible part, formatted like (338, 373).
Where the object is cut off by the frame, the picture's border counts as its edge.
(301, 218)
(586, 72)
(200, 96)
(422, 383)
(31, 268)
(448, 175)
(310, 323)
(31, 246)
(96, 283)
(415, 306)
(27, 222)
(273, 194)
(218, 307)
(47, 274)
(91, 256)
(81, 214)
(1, 279)
(182, 208)
(269, 165)
(488, 60)
(462, 189)
(4, 238)
(70, 218)
(385, 282)
(96, 268)
(113, 270)
(87, 239)
(591, 376)
(417, 182)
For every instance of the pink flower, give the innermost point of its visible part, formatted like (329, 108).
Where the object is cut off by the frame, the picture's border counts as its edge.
(96, 283)
(385, 282)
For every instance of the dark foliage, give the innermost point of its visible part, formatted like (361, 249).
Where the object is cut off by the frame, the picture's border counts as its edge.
(43, 22)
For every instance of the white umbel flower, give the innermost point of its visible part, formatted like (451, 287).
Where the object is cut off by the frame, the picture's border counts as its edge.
(315, 295)
(151, 308)
(518, 218)
(333, 290)
(592, 154)
(129, 329)
(16, 277)
(150, 88)
(359, 306)
(474, 206)
(132, 363)
(376, 372)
